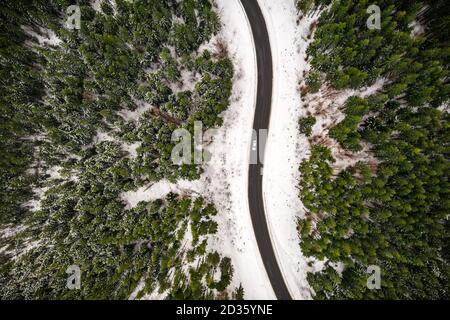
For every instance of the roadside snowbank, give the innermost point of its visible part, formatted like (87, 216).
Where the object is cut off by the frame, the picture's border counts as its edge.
(228, 169)
(285, 147)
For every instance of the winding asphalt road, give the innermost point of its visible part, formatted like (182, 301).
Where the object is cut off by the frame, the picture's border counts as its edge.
(261, 121)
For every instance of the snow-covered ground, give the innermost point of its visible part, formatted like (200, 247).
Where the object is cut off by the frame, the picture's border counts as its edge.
(9, 232)
(225, 177)
(45, 37)
(159, 190)
(326, 108)
(16, 252)
(285, 147)
(228, 169)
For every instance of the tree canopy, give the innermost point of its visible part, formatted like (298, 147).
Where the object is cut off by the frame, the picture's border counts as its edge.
(393, 215)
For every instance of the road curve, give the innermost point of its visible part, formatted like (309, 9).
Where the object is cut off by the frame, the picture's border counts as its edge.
(261, 121)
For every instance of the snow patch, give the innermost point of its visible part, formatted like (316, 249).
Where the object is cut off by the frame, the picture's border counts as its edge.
(159, 190)
(44, 37)
(418, 29)
(35, 203)
(131, 149)
(30, 245)
(129, 115)
(10, 232)
(95, 4)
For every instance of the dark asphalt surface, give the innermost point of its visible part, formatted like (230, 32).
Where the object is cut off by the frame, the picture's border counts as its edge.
(261, 121)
